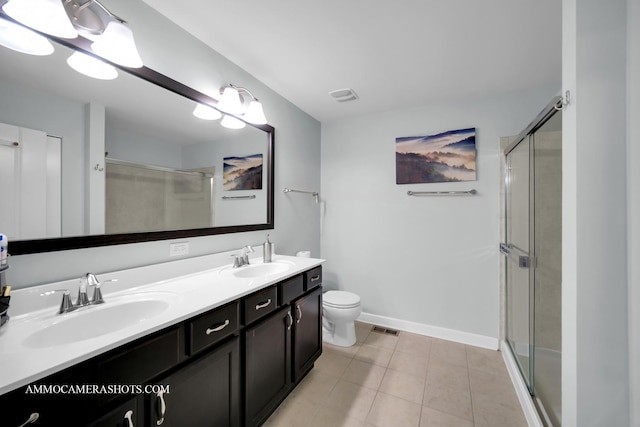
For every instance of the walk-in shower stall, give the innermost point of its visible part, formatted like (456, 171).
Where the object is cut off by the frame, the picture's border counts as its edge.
(533, 253)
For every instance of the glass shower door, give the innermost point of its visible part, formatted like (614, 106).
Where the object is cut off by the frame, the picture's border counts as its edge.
(519, 333)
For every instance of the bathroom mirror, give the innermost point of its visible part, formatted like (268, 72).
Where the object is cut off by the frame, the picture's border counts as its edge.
(124, 160)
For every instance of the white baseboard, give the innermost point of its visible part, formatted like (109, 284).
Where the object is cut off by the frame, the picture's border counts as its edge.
(526, 402)
(432, 331)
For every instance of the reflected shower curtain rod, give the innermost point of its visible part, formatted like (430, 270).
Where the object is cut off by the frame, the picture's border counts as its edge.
(156, 167)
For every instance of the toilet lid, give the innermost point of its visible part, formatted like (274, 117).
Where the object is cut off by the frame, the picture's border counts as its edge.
(340, 299)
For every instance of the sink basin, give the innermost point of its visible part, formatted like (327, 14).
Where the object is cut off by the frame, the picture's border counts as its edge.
(261, 270)
(94, 321)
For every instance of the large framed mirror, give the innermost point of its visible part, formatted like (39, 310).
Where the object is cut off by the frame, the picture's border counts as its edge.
(87, 162)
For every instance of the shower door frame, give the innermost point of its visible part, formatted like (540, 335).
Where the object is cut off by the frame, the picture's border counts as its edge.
(527, 261)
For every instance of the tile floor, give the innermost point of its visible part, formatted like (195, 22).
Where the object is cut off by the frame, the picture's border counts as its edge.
(405, 380)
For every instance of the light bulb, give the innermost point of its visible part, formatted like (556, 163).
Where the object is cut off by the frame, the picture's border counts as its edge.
(23, 40)
(92, 67)
(116, 44)
(205, 112)
(47, 16)
(255, 113)
(232, 123)
(230, 101)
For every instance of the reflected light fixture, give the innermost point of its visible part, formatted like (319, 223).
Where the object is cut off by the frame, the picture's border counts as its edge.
(91, 66)
(46, 16)
(112, 38)
(241, 102)
(23, 40)
(205, 112)
(231, 122)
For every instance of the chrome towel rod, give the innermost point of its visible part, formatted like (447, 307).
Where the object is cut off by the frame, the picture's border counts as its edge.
(315, 194)
(253, 196)
(441, 193)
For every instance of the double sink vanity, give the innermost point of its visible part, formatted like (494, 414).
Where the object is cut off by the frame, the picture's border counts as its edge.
(186, 343)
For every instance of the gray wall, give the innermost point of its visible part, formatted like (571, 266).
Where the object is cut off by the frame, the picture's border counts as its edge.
(595, 339)
(171, 51)
(430, 260)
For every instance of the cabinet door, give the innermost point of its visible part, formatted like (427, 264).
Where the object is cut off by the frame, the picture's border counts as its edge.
(129, 414)
(267, 365)
(307, 332)
(205, 392)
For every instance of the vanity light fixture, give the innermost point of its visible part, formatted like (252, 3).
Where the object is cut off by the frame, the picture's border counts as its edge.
(46, 16)
(112, 38)
(92, 67)
(240, 101)
(23, 40)
(205, 112)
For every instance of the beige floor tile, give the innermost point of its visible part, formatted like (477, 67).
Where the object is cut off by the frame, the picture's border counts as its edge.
(391, 411)
(293, 412)
(345, 351)
(415, 344)
(497, 386)
(376, 355)
(432, 418)
(492, 413)
(316, 386)
(405, 386)
(327, 417)
(332, 363)
(410, 364)
(351, 399)
(449, 352)
(442, 374)
(362, 331)
(451, 400)
(382, 340)
(486, 360)
(364, 373)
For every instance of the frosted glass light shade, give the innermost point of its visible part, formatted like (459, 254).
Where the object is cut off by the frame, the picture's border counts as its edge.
(23, 40)
(92, 67)
(232, 123)
(230, 101)
(205, 112)
(255, 113)
(116, 44)
(47, 16)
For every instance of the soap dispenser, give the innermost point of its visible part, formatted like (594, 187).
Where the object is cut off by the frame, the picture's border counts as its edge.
(267, 250)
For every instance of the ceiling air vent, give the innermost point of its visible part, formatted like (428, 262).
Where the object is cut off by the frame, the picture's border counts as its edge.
(343, 95)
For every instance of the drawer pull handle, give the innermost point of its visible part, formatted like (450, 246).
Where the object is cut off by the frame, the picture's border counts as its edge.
(290, 320)
(299, 316)
(127, 416)
(263, 304)
(162, 409)
(315, 278)
(32, 419)
(218, 328)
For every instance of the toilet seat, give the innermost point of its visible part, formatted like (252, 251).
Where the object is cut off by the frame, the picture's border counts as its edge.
(340, 299)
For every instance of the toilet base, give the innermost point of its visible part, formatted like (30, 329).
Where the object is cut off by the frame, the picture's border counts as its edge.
(343, 335)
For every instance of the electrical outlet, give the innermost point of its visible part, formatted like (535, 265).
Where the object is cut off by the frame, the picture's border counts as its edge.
(178, 249)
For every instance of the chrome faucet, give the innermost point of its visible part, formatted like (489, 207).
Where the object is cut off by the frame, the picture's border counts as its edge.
(243, 259)
(87, 281)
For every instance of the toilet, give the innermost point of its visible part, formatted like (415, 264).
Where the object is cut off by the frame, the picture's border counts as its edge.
(340, 309)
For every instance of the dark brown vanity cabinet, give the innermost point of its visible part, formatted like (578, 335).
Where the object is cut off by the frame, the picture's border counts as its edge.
(230, 366)
(206, 392)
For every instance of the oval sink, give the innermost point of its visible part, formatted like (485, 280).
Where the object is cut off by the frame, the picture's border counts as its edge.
(94, 321)
(260, 270)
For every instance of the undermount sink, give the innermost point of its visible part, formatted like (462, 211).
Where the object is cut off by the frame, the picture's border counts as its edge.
(261, 270)
(94, 321)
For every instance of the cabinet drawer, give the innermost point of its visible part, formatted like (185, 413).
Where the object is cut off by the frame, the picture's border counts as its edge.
(211, 327)
(142, 361)
(260, 304)
(291, 289)
(312, 278)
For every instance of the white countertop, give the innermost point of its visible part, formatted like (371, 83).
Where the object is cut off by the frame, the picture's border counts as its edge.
(193, 286)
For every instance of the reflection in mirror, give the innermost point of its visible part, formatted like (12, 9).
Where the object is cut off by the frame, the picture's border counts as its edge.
(123, 157)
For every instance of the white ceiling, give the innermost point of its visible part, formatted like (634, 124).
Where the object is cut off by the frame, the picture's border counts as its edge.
(394, 54)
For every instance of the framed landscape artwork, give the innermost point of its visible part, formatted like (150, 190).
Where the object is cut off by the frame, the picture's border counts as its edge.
(242, 173)
(444, 157)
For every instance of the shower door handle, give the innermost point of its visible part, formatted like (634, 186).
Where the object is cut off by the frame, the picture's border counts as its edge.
(520, 258)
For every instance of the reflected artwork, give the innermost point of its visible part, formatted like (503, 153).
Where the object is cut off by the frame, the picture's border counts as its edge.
(444, 157)
(242, 173)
